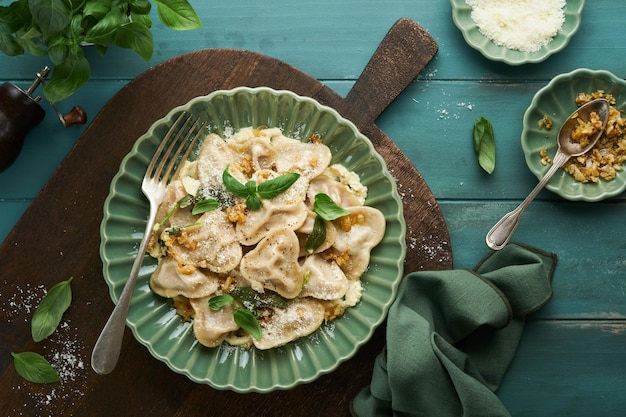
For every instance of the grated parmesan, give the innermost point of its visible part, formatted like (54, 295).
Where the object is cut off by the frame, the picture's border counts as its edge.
(524, 25)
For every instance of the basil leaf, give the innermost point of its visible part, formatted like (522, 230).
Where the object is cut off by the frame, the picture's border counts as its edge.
(233, 185)
(140, 6)
(182, 203)
(276, 186)
(67, 76)
(103, 32)
(176, 230)
(34, 368)
(317, 236)
(255, 300)
(484, 144)
(218, 301)
(253, 203)
(52, 16)
(186, 201)
(96, 8)
(251, 188)
(177, 14)
(50, 310)
(327, 209)
(204, 206)
(248, 321)
(137, 37)
(9, 45)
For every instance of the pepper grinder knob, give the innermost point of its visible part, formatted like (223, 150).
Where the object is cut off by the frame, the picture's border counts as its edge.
(76, 116)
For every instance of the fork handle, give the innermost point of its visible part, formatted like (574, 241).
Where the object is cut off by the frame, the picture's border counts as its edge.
(106, 351)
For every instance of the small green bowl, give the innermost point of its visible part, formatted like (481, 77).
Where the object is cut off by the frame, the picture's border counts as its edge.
(154, 321)
(461, 15)
(557, 101)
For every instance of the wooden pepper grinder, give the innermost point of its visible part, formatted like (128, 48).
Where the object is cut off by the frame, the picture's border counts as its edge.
(20, 112)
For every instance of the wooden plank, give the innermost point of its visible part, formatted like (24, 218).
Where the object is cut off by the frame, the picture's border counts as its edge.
(589, 278)
(432, 123)
(11, 212)
(334, 40)
(567, 369)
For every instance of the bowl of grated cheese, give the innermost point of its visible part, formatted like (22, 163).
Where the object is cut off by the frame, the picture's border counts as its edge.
(599, 173)
(517, 32)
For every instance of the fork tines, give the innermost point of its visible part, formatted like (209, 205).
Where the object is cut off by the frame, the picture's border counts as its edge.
(175, 147)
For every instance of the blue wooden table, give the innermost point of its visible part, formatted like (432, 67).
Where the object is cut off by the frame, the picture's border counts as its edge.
(572, 357)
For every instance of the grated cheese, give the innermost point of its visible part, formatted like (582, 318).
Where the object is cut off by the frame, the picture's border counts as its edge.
(524, 25)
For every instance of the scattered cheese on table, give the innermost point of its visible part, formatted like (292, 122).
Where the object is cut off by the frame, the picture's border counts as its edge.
(524, 25)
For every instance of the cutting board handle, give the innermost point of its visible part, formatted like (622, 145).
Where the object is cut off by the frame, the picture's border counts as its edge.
(402, 54)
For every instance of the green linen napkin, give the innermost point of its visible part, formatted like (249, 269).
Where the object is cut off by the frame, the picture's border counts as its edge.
(452, 334)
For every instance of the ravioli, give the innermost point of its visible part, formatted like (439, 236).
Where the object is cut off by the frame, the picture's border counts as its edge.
(265, 260)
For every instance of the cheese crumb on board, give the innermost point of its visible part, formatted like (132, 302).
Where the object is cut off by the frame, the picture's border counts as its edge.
(523, 25)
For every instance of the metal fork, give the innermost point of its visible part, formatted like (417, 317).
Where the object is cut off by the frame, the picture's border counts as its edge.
(170, 154)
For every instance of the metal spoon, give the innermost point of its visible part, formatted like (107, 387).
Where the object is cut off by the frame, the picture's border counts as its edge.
(501, 232)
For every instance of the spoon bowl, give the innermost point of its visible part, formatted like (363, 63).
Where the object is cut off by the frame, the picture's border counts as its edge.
(503, 230)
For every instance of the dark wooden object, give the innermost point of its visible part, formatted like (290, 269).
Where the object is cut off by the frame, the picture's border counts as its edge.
(59, 237)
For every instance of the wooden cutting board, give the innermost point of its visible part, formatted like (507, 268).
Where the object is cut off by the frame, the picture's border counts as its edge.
(58, 237)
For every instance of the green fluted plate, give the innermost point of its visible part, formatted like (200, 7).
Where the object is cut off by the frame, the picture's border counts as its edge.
(557, 101)
(461, 16)
(154, 321)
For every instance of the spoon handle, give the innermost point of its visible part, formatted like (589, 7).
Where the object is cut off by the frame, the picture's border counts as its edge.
(501, 232)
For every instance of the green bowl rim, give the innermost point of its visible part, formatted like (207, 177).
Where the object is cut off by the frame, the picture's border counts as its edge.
(398, 216)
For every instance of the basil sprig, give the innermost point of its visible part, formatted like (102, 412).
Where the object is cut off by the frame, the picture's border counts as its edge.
(218, 301)
(249, 322)
(34, 368)
(484, 144)
(326, 209)
(253, 192)
(203, 206)
(50, 310)
(199, 207)
(317, 236)
(247, 302)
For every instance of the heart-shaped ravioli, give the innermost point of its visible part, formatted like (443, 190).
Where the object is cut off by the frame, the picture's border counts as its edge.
(273, 264)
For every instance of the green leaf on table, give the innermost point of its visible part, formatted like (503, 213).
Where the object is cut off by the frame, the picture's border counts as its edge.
(276, 186)
(327, 209)
(178, 14)
(248, 321)
(50, 310)
(137, 37)
(484, 144)
(34, 368)
(51, 16)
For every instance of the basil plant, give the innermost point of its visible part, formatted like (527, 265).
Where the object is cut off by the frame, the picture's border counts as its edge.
(60, 29)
